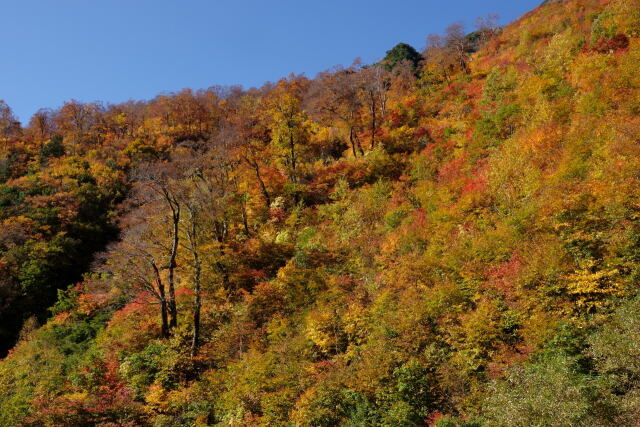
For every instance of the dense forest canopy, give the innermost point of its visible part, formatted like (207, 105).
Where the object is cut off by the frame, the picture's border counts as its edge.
(446, 238)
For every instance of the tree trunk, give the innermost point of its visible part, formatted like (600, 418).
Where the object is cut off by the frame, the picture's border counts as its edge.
(197, 304)
(373, 121)
(292, 148)
(245, 220)
(173, 310)
(352, 142)
(360, 149)
(383, 101)
(263, 187)
(197, 301)
(164, 328)
(164, 319)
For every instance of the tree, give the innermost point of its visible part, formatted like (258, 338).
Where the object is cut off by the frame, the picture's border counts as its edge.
(134, 261)
(208, 194)
(77, 122)
(458, 44)
(335, 95)
(374, 85)
(9, 125)
(487, 28)
(438, 61)
(42, 124)
(401, 52)
(289, 124)
(250, 137)
(157, 189)
(121, 121)
(192, 228)
(190, 114)
(444, 54)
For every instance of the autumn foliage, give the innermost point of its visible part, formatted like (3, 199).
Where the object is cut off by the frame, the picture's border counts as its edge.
(441, 239)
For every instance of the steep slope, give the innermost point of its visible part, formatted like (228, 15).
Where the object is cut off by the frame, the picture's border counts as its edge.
(371, 248)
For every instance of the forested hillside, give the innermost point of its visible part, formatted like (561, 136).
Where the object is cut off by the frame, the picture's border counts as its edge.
(444, 238)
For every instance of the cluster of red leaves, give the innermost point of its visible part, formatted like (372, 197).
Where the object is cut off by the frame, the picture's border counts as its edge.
(502, 276)
(474, 90)
(395, 118)
(141, 304)
(477, 183)
(609, 45)
(327, 177)
(421, 132)
(454, 88)
(366, 135)
(433, 419)
(278, 215)
(420, 220)
(452, 171)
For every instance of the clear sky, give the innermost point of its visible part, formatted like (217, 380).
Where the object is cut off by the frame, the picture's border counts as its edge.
(115, 50)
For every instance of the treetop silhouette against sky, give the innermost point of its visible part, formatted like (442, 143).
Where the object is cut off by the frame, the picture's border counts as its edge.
(116, 50)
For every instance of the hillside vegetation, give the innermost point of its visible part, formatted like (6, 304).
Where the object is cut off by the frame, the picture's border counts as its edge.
(443, 239)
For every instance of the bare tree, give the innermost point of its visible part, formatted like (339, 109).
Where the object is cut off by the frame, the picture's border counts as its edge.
(402, 79)
(250, 138)
(487, 27)
(335, 95)
(157, 189)
(42, 124)
(9, 124)
(135, 263)
(437, 57)
(457, 42)
(192, 227)
(210, 199)
(374, 84)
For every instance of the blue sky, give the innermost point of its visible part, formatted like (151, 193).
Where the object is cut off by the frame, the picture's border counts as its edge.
(115, 50)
